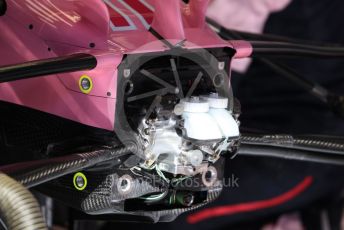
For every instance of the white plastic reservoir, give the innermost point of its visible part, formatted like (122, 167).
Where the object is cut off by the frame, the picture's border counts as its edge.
(207, 118)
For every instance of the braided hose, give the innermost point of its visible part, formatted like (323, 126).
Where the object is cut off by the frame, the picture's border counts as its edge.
(317, 149)
(312, 143)
(19, 210)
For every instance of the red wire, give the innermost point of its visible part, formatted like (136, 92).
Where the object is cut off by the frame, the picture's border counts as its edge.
(251, 206)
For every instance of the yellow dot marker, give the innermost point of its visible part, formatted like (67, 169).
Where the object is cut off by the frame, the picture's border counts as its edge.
(85, 84)
(80, 181)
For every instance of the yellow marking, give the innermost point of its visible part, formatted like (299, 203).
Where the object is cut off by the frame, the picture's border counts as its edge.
(79, 174)
(85, 91)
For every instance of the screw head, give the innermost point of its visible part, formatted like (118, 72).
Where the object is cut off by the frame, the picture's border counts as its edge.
(126, 73)
(80, 181)
(85, 84)
(222, 65)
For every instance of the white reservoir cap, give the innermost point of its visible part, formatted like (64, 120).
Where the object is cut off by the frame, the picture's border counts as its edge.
(195, 105)
(215, 101)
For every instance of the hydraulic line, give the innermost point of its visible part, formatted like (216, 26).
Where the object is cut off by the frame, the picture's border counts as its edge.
(290, 154)
(319, 149)
(339, 50)
(271, 50)
(311, 87)
(248, 36)
(333, 101)
(19, 210)
(31, 174)
(283, 48)
(324, 144)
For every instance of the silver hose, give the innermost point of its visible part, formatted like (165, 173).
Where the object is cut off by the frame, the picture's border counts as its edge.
(326, 144)
(19, 210)
(317, 149)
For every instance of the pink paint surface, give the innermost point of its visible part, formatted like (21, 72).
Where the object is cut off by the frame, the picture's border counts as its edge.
(244, 15)
(68, 27)
(73, 22)
(169, 13)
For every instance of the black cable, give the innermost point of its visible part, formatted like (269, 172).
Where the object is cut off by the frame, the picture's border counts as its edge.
(71, 63)
(160, 38)
(288, 73)
(335, 102)
(290, 154)
(271, 51)
(291, 45)
(283, 48)
(236, 34)
(274, 38)
(3, 7)
(309, 149)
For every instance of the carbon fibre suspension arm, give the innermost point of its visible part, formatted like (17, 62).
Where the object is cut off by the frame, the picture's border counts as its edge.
(34, 173)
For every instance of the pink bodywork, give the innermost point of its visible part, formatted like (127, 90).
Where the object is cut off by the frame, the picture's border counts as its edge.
(63, 27)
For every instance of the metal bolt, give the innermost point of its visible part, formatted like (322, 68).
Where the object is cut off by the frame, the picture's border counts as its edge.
(85, 84)
(80, 181)
(126, 73)
(222, 65)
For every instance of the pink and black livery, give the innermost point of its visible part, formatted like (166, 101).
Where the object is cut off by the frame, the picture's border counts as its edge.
(70, 83)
